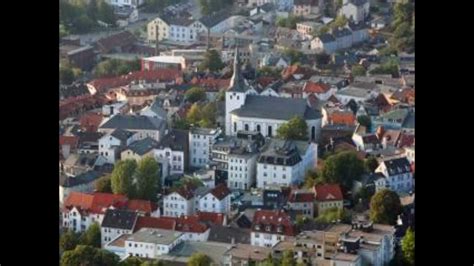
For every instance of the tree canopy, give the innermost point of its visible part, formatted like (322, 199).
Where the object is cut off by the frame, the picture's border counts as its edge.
(122, 177)
(199, 259)
(295, 129)
(148, 179)
(91, 236)
(82, 16)
(371, 164)
(385, 207)
(68, 240)
(408, 247)
(208, 7)
(212, 61)
(358, 70)
(343, 168)
(195, 94)
(364, 121)
(295, 56)
(104, 184)
(333, 214)
(87, 255)
(116, 67)
(289, 22)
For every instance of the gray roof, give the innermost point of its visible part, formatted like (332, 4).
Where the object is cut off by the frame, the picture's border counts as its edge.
(326, 38)
(354, 92)
(225, 234)
(264, 107)
(156, 107)
(173, 20)
(283, 152)
(358, 26)
(143, 146)
(409, 121)
(120, 219)
(358, 2)
(214, 19)
(84, 178)
(203, 131)
(176, 140)
(342, 32)
(214, 250)
(122, 135)
(134, 122)
(397, 166)
(155, 236)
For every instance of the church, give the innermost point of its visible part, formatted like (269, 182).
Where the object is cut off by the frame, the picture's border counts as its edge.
(246, 110)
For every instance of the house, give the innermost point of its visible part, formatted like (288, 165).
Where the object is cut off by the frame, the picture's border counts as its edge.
(115, 223)
(303, 8)
(84, 183)
(365, 141)
(193, 228)
(229, 234)
(139, 149)
(343, 38)
(206, 176)
(89, 122)
(355, 10)
(143, 126)
(270, 227)
(340, 117)
(77, 164)
(324, 43)
(126, 3)
(394, 119)
(174, 148)
(125, 15)
(307, 27)
(321, 90)
(163, 61)
(302, 201)
(80, 210)
(89, 143)
(328, 196)
(152, 243)
(357, 94)
(111, 145)
(396, 175)
(181, 254)
(285, 162)
(83, 57)
(109, 110)
(360, 31)
(216, 200)
(219, 22)
(200, 142)
(121, 42)
(245, 254)
(68, 145)
(179, 202)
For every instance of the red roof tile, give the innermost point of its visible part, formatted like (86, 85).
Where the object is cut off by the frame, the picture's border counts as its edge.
(406, 140)
(220, 191)
(90, 121)
(145, 206)
(211, 83)
(265, 81)
(275, 222)
(72, 141)
(154, 222)
(315, 87)
(342, 117)
(188, 224)
(328, 192)
(299, 196)
(211, 217)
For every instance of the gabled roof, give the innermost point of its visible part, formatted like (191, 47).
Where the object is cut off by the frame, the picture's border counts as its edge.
(180, 21)
(94, 203)
(134, 122)
(120, 219)
(211, 218)
(215, 18)
(154, 222)
(145, 206)
(328, 192)
(176, 140)
(273, 222)
(397, 166)
(72, 141)
(84, 178)
(220, 191)
(315, 87)
(301, 196)
(226, 234)
(122, 135)
(108, 43)
(327, 38)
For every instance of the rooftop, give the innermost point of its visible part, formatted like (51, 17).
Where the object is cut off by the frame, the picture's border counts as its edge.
(119, 219)
(155, 236)
(134, 122)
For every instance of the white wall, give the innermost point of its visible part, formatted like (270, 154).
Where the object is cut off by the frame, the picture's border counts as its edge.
(209, 203)
(262, 239)
(174, 158)
(233, 100)
(175, 205)
(241, 171)
(108, 234)
(200, 148)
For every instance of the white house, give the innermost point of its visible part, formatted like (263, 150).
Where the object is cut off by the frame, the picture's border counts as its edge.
(303, 201)
(356, 10)
(177, 29)
(131, 3)
(242, 169)
(111, 144)
(397, 175)
(173, 148)
(324, 43)
(115, 223)
(180, 202)
(155, 110)
(216, 200)
(207, 177)
(270, 227)
(109, 110)
(360, 31)
(200, 142)
(152, 243)
(321, 90)
(285, 162)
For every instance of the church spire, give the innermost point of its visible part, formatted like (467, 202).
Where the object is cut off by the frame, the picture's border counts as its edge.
(236, 75)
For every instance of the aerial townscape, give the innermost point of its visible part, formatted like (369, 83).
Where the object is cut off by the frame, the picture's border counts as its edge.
(236, 132)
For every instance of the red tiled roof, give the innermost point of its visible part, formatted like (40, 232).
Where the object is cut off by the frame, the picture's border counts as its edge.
(315, 87)
(271, 221)
(164, 74)
(95, 203)
(72, 141)
(80, 200)
(333, 99)
(154, 222)
(265, 81)
(211, 217)
(342, 117)
(90, 121)
(328, 192)
(145, 206)
(188, 224)
(406, 140)
(220, 191)
(298, 196)
(211, 83)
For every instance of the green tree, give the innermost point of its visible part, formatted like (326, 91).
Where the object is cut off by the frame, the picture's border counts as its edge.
(311, 179)
(194, 114)
(358, 70)
(148, 179)
(371, 164)
(104, 184)
(364, 121)
(338, 4)
(153, 263)
(181, 124)
(66, 75)
(92, 10)
(63, 31)
(212, 61)
(288, 258)
(362, 199)
(87, 255)
(294, 55)
(408, 247)
(91, 237)
(333, 214)
(268, 71)
(131, 261)
(340, 21)
(195, 94)
(295, 129)
(122, 177)
(105, 13)
(343, 168)
(154, 5)
(106, 258)
(385, 207)
(204, 6)
(208, 115)
(199, 259)
(68, 240)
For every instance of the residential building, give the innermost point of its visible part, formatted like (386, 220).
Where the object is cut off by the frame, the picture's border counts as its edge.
(163, 61)
(270, 227)
(200, 143)
(180, 202)
(307, 7)
(394, 119)
(110, 145)
(152, 243)
(307, 27)
(131, 3)
(321, 90)
(328, 196)
(396, 175)
(365, 141)
(77, 164)
(245, 254)
(343, 38)
(285, 162)
(360, 31)
(139, 149)
(109, 110)
(302, 201)
(115, 223)
(121, 42)
(324, 43)
(144, 126)
(174, 148)
(356, 10)
(84, 183)
(216, 200)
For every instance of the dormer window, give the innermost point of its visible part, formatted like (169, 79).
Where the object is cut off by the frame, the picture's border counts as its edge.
(257, 227)
(280, 229)
(268, 228)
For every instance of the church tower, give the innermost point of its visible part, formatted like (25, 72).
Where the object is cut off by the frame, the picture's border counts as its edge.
(235, 95)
